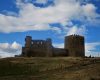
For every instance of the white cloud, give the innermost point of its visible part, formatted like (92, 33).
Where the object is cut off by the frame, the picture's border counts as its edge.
(59, 45)
(90, 49)
(41, 1)
(89, 11)
(31, 17)
(77, 30)
(9, 50)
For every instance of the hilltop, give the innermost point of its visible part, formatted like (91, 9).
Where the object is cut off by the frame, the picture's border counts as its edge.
(54, 68)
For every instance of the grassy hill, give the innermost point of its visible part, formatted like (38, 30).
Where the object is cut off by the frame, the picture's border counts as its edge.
(58, 68)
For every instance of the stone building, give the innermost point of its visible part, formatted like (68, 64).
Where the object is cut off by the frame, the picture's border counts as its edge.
(73, 46)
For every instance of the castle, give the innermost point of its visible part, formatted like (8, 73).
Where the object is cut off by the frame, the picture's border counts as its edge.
(73, 46)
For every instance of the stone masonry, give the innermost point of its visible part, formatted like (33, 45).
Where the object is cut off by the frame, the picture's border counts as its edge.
(73, 46)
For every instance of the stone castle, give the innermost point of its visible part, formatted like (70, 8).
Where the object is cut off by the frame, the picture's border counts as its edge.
(73, 46)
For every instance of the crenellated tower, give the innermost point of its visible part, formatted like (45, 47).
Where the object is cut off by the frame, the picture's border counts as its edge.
(75, 45)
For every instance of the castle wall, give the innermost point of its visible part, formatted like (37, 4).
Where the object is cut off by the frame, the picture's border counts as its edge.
(75, 45)
(37, 48)
(40, 48)
(59, 52)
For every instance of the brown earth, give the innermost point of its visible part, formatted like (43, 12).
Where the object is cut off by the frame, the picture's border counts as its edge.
(54, 68)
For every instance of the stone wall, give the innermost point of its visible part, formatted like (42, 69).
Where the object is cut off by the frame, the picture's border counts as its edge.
(60, 52)
(37, 48)
(73, 46)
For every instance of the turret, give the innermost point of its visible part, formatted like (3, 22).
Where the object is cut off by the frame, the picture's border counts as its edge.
(28, 41)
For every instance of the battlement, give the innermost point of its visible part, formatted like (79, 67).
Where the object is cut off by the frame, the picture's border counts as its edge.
(75, 36)
(38, 42)
(30, 43)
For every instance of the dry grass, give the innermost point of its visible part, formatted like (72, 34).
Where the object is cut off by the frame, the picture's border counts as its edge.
(54, 68)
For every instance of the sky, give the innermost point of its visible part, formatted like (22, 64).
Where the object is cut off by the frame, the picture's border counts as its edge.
(53, 19)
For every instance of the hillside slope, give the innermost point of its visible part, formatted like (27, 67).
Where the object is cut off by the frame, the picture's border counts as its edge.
(61, 68)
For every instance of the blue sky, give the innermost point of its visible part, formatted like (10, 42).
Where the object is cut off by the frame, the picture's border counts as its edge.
(53, 19)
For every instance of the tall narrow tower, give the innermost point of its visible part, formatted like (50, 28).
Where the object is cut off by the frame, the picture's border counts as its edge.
(75, 45)
(26, 50)
(49, 47)
(28, 41)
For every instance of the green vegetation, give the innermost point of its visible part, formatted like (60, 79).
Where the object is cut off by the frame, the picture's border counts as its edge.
(58, 68)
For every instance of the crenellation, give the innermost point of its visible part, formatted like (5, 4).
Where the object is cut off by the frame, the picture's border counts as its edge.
(73, 46)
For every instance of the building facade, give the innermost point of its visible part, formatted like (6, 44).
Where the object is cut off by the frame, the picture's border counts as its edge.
(73, 46)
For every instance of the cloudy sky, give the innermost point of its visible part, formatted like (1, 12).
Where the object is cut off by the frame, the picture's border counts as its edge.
(53, 19)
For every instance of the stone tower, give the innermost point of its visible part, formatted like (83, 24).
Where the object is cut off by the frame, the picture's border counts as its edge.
(26, 50)
(49, 47)
(28, 41)
(75, 45)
